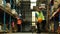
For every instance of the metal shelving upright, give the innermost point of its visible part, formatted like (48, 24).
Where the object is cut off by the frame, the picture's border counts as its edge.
(6, 13)
(4, 16)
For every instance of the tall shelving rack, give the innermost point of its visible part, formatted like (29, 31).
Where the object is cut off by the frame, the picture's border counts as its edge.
(6, 16)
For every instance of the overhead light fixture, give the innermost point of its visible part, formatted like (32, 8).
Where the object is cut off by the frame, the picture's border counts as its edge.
(33, 0)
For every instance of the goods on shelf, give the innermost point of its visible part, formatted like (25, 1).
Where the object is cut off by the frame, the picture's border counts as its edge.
(8, 6)
(1, 2)
(13, 11)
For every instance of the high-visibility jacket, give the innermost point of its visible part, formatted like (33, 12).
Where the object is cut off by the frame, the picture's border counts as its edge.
(40, 15)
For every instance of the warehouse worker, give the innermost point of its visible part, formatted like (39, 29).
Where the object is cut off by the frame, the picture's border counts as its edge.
(55, 15)
(40, 19)
(19, 22)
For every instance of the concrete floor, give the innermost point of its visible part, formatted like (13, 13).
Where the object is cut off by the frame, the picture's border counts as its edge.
(29, 33)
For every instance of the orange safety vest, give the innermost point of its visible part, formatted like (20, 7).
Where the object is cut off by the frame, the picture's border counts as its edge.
(19, 21)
